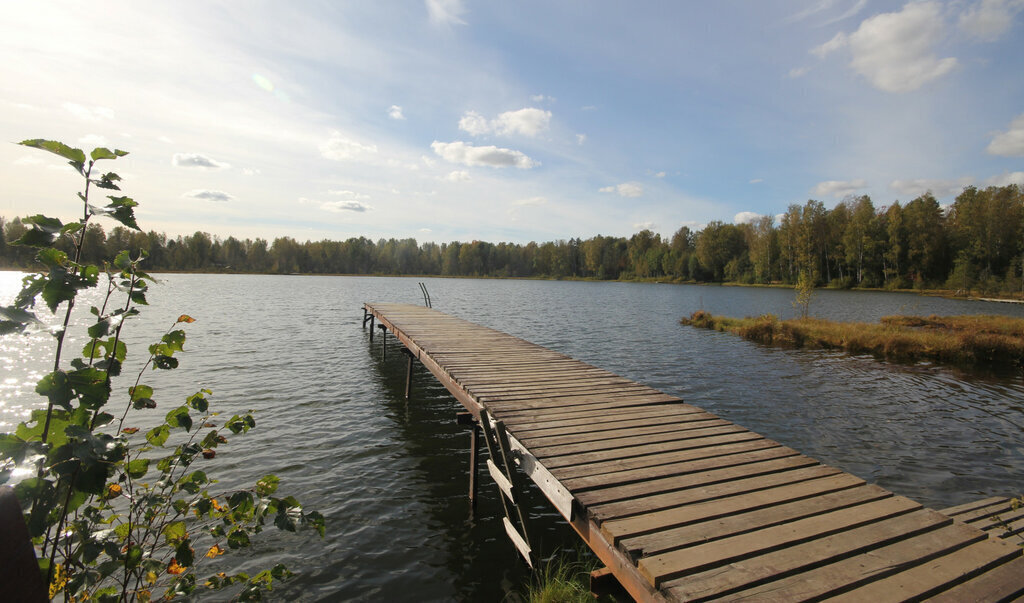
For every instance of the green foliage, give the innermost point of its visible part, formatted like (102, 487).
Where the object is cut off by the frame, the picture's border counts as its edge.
(115, 514)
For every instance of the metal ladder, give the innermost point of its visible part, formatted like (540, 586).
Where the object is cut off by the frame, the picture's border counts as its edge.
(498, 448)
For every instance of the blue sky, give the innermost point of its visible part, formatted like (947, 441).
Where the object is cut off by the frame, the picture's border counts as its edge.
(508, 121)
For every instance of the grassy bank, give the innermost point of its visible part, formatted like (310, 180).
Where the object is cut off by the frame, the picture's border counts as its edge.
(978, 341)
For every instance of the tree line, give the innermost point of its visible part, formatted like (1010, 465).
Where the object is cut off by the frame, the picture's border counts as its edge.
(977, 243)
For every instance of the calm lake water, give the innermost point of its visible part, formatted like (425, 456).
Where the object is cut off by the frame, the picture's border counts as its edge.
(391, 475)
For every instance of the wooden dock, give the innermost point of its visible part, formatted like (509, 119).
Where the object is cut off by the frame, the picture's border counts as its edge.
(682, 505)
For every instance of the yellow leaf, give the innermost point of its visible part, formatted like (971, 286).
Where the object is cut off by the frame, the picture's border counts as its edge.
(214, 551)
(186, 318)
(174, 569)
(151, 577)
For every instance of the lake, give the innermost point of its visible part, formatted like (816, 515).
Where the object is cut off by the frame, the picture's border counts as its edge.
(391, 475)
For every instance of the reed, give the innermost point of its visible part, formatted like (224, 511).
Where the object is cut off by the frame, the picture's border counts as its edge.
(980, 341)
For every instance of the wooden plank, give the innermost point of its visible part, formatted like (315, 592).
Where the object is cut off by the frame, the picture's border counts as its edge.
(632, 476)
(520, 421)
(499, 478)
(666, 539)
(975, 505)
(631, 440)
(517, 540)
(936, 575)
(682, 482)
(826, 566)
(658, 502)
(663, 458)
(603, 422)
(1001, 583)
(580, 437)
(666, 566)
(647, 449)
(983, 513)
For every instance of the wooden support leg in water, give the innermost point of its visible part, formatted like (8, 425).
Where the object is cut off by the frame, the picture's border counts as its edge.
(465, 418)
(383, 342)
(372, 319)
(408, 372)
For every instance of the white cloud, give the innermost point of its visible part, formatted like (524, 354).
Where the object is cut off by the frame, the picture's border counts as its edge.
(458, 176)
(467, 154)
(89, 113)
(838, 41)
(250, 172)
(92, 140)
(165, 140)
(1007, 179)
(1011, 142)
(208, 195)
(530, 201)
(340, 148)
(626, 189)
(757, 180)
(941, 188)
(28, 160)
(745, 217)
(838, 188)
(659, 174)
(581, 138)
(197, 160)
(445, 12)
(798, 72)
(529, 121)
(894, 50)
(395, 112)
(474, 123)
(342, 206)
(540, 98)
(988, 20)
(638, 226)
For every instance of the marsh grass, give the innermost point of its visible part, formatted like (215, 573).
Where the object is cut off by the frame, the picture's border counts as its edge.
(564, 579)
(978, 341)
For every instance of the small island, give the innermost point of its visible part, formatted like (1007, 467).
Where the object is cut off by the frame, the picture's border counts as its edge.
(969, 341)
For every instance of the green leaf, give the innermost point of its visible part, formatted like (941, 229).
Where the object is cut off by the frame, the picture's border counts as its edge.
(120, 209)
(138, 468)
(57, 148)
(105, 153)
(175, 532)
(241, 502)
(165, 362)
(91, 385)
(158, 435)
(174, 340)
(267, 485)
(179, 417)
(184, 553)
(140, 391)
(57, 388)
(198, 400)
(133, 557)
(238, 539)
(43, 233)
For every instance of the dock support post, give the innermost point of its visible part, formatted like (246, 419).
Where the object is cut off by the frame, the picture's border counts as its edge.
(372, 319)
(383, 342)
(408, 373)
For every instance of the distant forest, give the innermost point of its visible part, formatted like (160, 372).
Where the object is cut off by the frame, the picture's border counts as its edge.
(975, 244)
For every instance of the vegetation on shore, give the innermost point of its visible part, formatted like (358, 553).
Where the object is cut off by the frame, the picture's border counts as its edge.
(973, 245)
(979, 341)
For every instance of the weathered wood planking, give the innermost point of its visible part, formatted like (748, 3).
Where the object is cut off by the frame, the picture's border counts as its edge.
(682, 505)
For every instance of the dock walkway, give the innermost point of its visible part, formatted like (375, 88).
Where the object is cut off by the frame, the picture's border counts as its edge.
(680, 504)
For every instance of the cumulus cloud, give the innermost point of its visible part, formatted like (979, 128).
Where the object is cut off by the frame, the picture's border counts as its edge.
(745, 217)
(1011, 142)
(467, 154)
(626, 189)
(89, 113)
(894, 50)
(643, 226)
(529, 121)
(342, 206)
(445, 12)
(1007, 179)
(340, 148)
(208, 195)
(197, 160)
(911, 189)
(838, 41)
(458, 176)
(838, 188)
(395, 112)
(988, 20)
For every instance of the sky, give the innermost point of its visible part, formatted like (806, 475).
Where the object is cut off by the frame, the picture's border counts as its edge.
(520, 121)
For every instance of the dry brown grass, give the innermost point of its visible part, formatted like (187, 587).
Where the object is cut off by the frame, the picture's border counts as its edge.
(983, 341)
